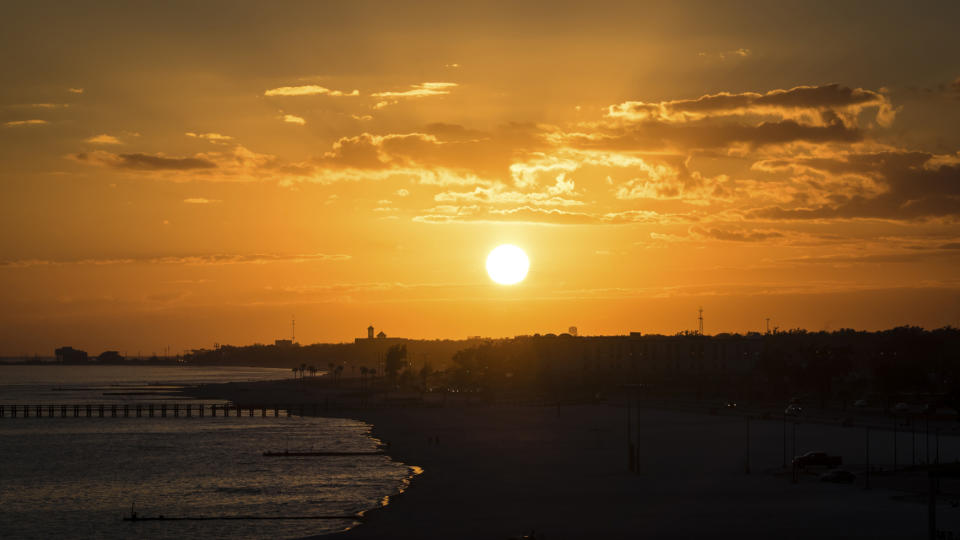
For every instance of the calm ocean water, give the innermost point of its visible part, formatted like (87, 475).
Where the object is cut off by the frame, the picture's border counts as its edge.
(77, 477)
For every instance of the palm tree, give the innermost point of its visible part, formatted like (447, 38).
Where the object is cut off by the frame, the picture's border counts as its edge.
(303, 368)
(363, 375)
(338, 371)
(295, 369)
(313, 371)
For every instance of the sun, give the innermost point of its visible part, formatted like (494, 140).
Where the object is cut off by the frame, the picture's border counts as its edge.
(507, 264)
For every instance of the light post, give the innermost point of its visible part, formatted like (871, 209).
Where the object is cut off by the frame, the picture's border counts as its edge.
(867, 477)
(894, 442)
(913, 442)
(784, 440)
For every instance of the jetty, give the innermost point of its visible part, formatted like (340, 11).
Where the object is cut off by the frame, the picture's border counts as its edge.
(135, 517)
(159, 410)
(286, 453)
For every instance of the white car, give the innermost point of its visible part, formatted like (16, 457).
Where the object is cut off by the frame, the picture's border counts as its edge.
(793, 410)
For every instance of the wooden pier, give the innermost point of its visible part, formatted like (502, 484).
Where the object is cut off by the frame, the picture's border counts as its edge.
(159, 410)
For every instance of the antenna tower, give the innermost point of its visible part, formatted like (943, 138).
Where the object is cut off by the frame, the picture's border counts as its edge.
(700, 319)
(293, 330)
(768, 325)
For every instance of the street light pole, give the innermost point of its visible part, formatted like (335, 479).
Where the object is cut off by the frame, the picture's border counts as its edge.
(867, 484)
(748, 446)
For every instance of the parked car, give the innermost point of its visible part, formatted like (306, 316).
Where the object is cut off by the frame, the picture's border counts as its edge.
(730, 404)
(793, 410)
(901, 407)
(839, 476)
(817, 459)
(860, 403)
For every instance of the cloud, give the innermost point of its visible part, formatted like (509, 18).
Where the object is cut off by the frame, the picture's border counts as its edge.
(426, 89)
(21, 123)
(808, 105)
(732, 235)
(723, 55)
(188, 260)
(215, 138)
(143, 162)
(308, 90)
(545, 216)
(103, 138)
(45, 105)
(291, 119)
(75, 90)
(911, 185)
(200, 200)
(497, 194)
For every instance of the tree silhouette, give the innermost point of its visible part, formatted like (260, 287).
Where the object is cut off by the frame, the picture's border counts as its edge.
(425, 372)
(395, 361)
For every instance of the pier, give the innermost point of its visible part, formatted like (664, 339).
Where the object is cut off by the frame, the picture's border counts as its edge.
(159, 410)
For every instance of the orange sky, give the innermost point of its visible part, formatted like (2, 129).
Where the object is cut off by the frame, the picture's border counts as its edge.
(177, 174)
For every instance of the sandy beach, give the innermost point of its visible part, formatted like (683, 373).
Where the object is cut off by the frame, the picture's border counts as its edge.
(502, 471)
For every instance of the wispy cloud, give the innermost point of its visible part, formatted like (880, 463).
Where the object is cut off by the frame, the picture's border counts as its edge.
(75, 90)
(200, 200)
(146, 162)
(215, 138)
(22, 123)
(420, 90)
(44, 105)
(293, 119)
(103, 138)
(308, 90)
(187, 260)
(742, 52)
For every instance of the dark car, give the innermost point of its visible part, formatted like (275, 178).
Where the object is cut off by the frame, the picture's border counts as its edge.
(822, 459)
(838, 476)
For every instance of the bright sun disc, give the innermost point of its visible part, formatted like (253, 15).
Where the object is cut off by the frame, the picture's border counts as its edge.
(507, 264)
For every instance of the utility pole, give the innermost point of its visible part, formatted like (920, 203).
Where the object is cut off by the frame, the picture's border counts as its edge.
(700, 319)
(748, 446)
(867, 481)
(768, 325)
(293, 330)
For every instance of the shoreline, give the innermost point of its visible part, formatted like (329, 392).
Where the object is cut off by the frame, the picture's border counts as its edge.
(502, 471)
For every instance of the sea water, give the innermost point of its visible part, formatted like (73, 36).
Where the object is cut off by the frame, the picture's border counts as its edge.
(78, 477)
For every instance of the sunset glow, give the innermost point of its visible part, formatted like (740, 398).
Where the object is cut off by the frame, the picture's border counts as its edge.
(353, 163)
